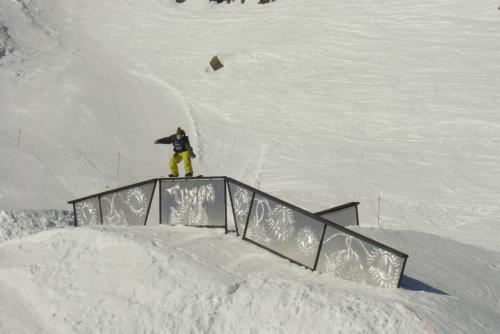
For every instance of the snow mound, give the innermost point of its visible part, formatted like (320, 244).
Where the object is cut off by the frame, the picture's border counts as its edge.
(19, 223)
(177, 279)
(183, 280)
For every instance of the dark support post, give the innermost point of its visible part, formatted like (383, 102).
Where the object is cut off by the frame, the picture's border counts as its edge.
(150, 202)
(232, 208)
(159, 193)
(248, 217)
(319, 248)
(100, 209)
(402, 271)
(357, 215)
(74, 214)
(225, 206)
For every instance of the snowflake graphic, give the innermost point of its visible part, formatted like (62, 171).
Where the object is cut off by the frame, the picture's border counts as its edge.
(307, 242)
(345, 263)
(137, 201)
(384, 268)
(280, 220)
(87, 212)
(242, 198)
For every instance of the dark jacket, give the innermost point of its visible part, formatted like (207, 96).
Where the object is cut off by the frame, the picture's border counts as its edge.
(180, 145)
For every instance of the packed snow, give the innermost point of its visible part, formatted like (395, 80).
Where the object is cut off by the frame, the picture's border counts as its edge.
(390, 103)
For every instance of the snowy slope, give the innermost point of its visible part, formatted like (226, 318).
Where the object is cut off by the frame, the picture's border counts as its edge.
(85, 112)
(343, 101)
(319, 103)
(187, 280)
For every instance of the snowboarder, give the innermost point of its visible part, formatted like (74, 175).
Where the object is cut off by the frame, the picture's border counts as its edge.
(182, 151)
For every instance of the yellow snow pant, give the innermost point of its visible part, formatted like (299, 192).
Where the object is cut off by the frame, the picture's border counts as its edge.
(178, 157)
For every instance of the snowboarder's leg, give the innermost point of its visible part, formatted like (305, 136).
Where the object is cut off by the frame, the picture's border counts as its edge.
(188, 168)
(174, 160)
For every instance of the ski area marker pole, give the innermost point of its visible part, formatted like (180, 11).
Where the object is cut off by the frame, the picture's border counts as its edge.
(19, 139)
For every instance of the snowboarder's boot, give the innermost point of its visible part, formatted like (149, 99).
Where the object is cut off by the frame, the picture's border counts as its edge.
(189, 174)
(172, 175)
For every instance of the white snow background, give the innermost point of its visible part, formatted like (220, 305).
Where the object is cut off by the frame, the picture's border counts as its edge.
(319, 103)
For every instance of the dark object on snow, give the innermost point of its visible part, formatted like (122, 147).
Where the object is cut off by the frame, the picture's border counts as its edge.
(215, 63)
(265, 1)
(6, 43)
(229, 1)
(180, 1)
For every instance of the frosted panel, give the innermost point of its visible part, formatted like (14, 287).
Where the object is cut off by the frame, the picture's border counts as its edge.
(240, 199)
(87, 212)
(351, 258)
(128, 206)
(193, 202)
(284, 230)
(347, 216)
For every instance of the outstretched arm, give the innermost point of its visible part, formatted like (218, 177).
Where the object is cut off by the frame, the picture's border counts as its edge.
(165, 140)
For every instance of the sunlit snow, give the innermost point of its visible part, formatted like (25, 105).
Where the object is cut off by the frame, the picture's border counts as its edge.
(390, 103)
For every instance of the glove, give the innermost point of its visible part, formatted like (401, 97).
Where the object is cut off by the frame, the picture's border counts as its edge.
(192, 155)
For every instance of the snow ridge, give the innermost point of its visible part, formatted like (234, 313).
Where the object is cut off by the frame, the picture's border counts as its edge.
(20, 223)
